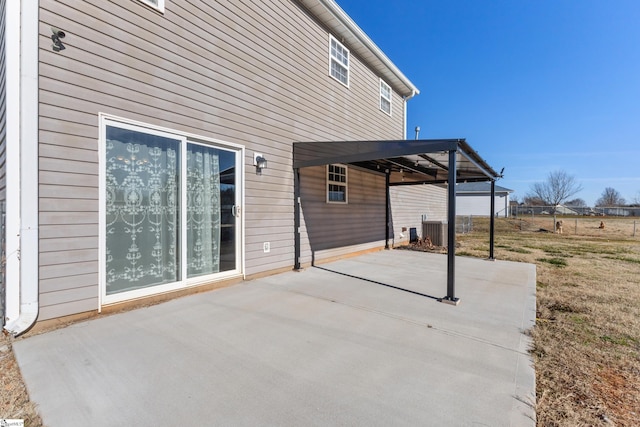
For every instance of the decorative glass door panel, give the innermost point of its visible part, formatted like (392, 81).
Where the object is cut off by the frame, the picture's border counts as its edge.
(142, 210)
(211, 200)
(171, 215)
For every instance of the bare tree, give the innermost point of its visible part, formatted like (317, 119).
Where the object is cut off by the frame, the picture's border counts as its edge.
(610, 197)
(636, 199)
(531, 200)
(558, 187)
(579, 203)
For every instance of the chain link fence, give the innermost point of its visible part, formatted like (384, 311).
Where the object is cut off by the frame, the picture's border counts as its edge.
(618, 211)
(464, 224)
(621, 220)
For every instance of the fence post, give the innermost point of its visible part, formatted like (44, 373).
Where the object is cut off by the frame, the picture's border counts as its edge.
(576, 226)
(634, 228)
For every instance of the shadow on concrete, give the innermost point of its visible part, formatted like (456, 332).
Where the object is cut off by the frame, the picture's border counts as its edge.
(379, 283)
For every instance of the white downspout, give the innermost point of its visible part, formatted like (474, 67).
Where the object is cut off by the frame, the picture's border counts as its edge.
(24, 15)
(405, 99)
(12, 163)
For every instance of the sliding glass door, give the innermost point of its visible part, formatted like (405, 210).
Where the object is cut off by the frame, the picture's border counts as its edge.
(211, 210)
(229, 213)
(171, 211)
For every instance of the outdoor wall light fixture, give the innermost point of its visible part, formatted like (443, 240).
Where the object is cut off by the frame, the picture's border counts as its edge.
(259, 162)
(56, 37)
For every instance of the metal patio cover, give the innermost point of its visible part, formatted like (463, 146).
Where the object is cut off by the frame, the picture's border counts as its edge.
(404, 162)
(408, 161)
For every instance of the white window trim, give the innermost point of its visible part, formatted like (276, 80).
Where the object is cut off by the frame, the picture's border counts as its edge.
(345, 184)
(184, 282)
(390, 98)
(159, 7)
(332, 58)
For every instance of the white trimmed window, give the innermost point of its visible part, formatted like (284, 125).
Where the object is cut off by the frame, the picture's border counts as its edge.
(338, 61)
(156, 4)
(336, 184)
(385, 97)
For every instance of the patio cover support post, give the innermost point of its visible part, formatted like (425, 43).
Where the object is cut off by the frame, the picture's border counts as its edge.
(296, 218)
(451, 232)
(388, 207)
(492, 221)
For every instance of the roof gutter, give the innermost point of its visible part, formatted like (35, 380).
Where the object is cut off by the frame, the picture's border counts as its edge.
(21, 20)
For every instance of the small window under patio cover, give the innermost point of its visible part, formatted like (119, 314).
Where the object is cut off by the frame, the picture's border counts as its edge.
(423, 161)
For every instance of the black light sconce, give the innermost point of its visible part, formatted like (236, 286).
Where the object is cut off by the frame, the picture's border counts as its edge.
(55, 38)
(259, 161)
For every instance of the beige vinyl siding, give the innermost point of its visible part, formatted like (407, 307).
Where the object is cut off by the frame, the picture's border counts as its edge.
(68, 230)
(253, 74)
(334, 229)
(410, 202)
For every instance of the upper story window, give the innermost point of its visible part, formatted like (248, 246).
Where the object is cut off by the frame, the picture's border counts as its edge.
(385, 97)
(338, 61)
(156, 4)
(336, 184)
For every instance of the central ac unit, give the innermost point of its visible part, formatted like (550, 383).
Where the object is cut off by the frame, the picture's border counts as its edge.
(437, 232)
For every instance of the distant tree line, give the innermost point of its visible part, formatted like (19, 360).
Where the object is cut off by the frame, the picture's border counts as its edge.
(611, 197)
(559, 187)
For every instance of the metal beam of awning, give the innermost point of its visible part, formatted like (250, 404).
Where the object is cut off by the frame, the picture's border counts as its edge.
(423, 161)
(323, 153)
(404, 162)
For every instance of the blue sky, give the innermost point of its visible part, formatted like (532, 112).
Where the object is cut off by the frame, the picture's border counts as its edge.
(534, 86)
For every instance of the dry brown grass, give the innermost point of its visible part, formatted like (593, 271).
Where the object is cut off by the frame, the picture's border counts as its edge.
(587, 336)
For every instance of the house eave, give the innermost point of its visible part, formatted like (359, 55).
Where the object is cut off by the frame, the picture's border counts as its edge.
(480, 193)
(342, 26)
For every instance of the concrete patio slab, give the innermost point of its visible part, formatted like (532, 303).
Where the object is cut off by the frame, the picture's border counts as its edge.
(361, 341)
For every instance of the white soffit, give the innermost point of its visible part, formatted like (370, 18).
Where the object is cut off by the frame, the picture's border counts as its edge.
(343, 27)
